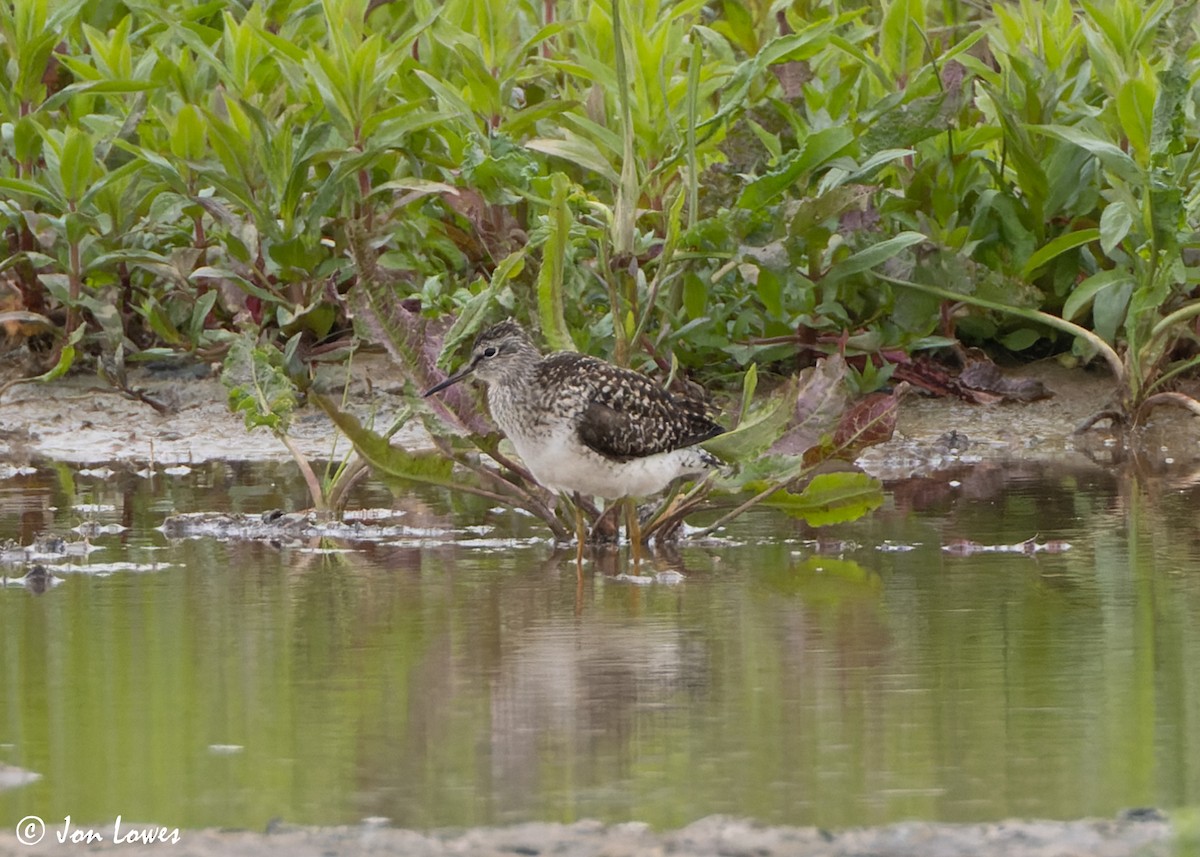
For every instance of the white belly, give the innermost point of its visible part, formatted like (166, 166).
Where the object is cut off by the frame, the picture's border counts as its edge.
(565, 465)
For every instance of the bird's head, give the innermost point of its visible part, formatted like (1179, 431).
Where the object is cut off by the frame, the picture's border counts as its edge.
(502, 351)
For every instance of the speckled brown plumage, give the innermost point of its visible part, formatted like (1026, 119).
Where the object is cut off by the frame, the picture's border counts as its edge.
(582, 424)
(626, 414)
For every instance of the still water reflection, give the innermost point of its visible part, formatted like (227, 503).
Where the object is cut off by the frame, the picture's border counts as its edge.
(865, 680)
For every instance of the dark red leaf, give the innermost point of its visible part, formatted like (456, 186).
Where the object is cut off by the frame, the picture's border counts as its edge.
(869, 421)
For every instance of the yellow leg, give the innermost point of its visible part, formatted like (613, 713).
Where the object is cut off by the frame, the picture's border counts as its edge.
(633, 529)
(580, 536)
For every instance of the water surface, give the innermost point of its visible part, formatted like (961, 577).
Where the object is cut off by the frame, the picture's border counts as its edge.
(460, 674)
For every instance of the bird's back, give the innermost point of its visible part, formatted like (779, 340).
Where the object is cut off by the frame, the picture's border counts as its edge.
(617, 412)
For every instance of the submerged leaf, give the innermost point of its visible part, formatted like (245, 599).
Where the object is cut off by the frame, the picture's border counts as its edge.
(831, 498)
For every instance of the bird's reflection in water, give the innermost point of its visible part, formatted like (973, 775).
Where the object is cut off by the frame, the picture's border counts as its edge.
(573, 692)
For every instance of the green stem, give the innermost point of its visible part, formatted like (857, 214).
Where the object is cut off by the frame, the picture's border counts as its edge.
(693, 89)
(625, 210)
(310, 478)
(346, 478)
(509, 494)
(664, 264)
(777, 485)
(1106, 351)
(1174, 371)
(1167, 322)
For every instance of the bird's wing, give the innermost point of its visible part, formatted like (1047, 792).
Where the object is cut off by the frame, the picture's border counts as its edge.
(629, 416)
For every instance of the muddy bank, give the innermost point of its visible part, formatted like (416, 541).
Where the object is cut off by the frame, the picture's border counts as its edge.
(81, 419)
(1144, 833)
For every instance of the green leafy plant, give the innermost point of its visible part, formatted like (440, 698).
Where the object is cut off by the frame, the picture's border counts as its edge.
(1132, 225)
(265, 385)
(776, 446)
(680, 186)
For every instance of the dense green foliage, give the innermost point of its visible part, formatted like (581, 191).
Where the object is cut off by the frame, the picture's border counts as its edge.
(689, 177)
(723, 183)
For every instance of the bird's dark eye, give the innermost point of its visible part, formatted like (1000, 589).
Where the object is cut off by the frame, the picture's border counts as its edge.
(490, 351)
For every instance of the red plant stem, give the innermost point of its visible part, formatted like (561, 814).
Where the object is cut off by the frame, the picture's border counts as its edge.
(75, 285)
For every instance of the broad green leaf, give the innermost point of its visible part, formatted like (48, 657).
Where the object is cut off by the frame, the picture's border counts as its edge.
(901, 46)
(1115, 223)
(1109, 308)
(188, 139)
(578, 151)
(474, 314)
(818, 148)
(1082, 295)
(874, 255)
(96, 87)
(27, 188)
(608, 142)
(1060, 245)
(760, 429)
(1025, 157)
(389, 463)
(257, 385)
(770, 292)
(317, 318)
(66, 357)
(695, 296)
(749, 385)
(831, 498)
(1020, 339)
(793, 46)
(1135, 109)
(27, 140)
(551, 310)
(1110, 154)
(877, 160)
(451, 100)
(824, 208)
(76, 164)
(769, 141)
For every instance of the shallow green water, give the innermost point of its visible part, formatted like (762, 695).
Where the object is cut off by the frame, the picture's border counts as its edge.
(436, 684)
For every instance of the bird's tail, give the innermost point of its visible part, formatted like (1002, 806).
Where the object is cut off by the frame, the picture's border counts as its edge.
(698, 462)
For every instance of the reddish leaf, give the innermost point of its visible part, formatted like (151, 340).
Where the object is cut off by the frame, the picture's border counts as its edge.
(869, 421)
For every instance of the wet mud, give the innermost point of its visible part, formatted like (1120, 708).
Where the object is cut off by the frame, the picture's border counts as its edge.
(82, 421)
(1145, 833)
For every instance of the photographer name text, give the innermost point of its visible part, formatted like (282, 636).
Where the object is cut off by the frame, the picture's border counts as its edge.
(32, 829)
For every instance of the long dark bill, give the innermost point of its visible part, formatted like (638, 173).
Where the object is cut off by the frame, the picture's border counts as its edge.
(453, 379)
